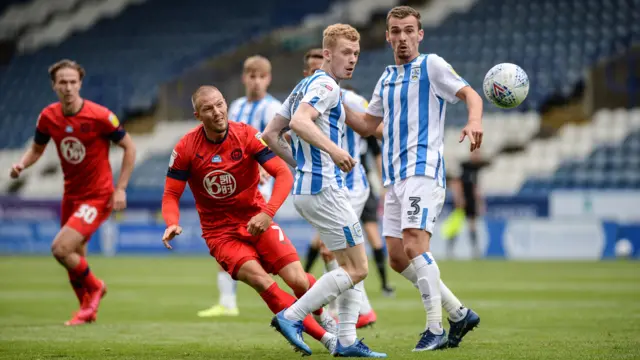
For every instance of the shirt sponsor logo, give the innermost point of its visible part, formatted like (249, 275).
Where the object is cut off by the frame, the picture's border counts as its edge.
(72, 150)
(219, 184)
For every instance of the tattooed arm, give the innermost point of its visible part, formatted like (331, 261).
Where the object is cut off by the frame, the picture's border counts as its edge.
(273, 137)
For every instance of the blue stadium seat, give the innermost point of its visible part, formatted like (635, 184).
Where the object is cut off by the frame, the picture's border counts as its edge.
(129, 56)
(551, 40)
(607, 167)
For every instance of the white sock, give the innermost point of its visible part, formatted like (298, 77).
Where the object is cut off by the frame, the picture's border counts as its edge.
(429, 285)
(326, 338)
(451, 304)
(227, 289)
(332, 307)
(365, 305)
(332, 265)
(410, 274)
(348, 309)
(328, 287)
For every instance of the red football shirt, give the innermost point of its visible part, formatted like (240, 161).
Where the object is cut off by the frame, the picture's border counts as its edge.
(223, 176)
(82, 142)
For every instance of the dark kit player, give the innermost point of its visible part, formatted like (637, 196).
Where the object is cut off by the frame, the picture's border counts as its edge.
(220, 160)
(82, 131)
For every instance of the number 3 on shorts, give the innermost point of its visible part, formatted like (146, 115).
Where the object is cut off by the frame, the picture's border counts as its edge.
(87, 213)
(280, 234)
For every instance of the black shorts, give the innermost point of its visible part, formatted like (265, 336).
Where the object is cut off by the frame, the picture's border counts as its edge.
(370, 211)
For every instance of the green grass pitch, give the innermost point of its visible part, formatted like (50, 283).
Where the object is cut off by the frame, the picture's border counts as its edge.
(529, 310)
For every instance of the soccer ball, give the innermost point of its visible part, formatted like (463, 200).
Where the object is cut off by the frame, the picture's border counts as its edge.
(506, 85)
(623, 248)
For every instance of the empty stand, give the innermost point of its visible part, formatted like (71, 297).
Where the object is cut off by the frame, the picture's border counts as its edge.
(129, 56)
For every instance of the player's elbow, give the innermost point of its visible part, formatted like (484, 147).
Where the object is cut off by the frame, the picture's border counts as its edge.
(297, 124)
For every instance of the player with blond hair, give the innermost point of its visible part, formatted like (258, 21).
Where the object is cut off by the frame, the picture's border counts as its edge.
(315, 114)
(357, 184)
(256, 108)
(407, 110)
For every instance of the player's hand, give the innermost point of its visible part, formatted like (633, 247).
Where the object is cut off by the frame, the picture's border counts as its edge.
(344, 161)
(264, 175)
(171, 232)
(16, 169)
(119, 200)
(259, 224)
(473, 130)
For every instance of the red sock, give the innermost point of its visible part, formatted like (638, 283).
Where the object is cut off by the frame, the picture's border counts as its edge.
(278, 300)
(85, 276)
(77, 286)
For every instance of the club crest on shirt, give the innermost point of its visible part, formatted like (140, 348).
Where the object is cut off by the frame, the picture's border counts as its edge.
(219, 184)
(415, 74)
(72, 150)
(236, 154)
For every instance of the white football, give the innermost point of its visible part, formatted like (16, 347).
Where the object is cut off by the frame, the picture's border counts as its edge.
(623, 248)
(506, 85)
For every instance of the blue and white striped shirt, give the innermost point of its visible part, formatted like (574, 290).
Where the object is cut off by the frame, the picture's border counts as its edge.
(315, 170)
(256, 113)
(356, 179)
(411, 100)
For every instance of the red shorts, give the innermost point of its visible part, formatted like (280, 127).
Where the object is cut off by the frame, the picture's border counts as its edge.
(273, 250)
(85, 216)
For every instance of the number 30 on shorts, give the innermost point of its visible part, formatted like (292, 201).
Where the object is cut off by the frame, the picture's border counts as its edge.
(87, 213)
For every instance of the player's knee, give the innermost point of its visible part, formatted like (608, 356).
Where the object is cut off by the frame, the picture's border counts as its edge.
(416, 242)
(359, 272)
(259, 282)
(298, 282)
(60, 250)
(398, 263)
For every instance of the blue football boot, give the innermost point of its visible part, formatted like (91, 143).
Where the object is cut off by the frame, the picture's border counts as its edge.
(458, 329)
(292, 331)
(358, 349)
(430, 341)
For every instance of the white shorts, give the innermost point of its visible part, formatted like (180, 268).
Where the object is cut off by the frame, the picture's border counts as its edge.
(358, 199)
(331, 213)
(413, 203)
(266, 189)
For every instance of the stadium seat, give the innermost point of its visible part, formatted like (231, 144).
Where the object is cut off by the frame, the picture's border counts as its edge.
(127, 57)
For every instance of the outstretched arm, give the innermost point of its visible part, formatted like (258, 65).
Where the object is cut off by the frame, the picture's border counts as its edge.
(273, 136)
(277, 168)
(363, 123)
(173, 190)
(128, 162)
(29, 158)
(473, 129)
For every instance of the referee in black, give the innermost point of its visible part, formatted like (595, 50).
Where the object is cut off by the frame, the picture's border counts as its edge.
(467, 196)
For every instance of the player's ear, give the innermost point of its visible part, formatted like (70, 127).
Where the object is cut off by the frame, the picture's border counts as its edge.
(195, 113)
(326, 53)
(420, 34)
(386, 35)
